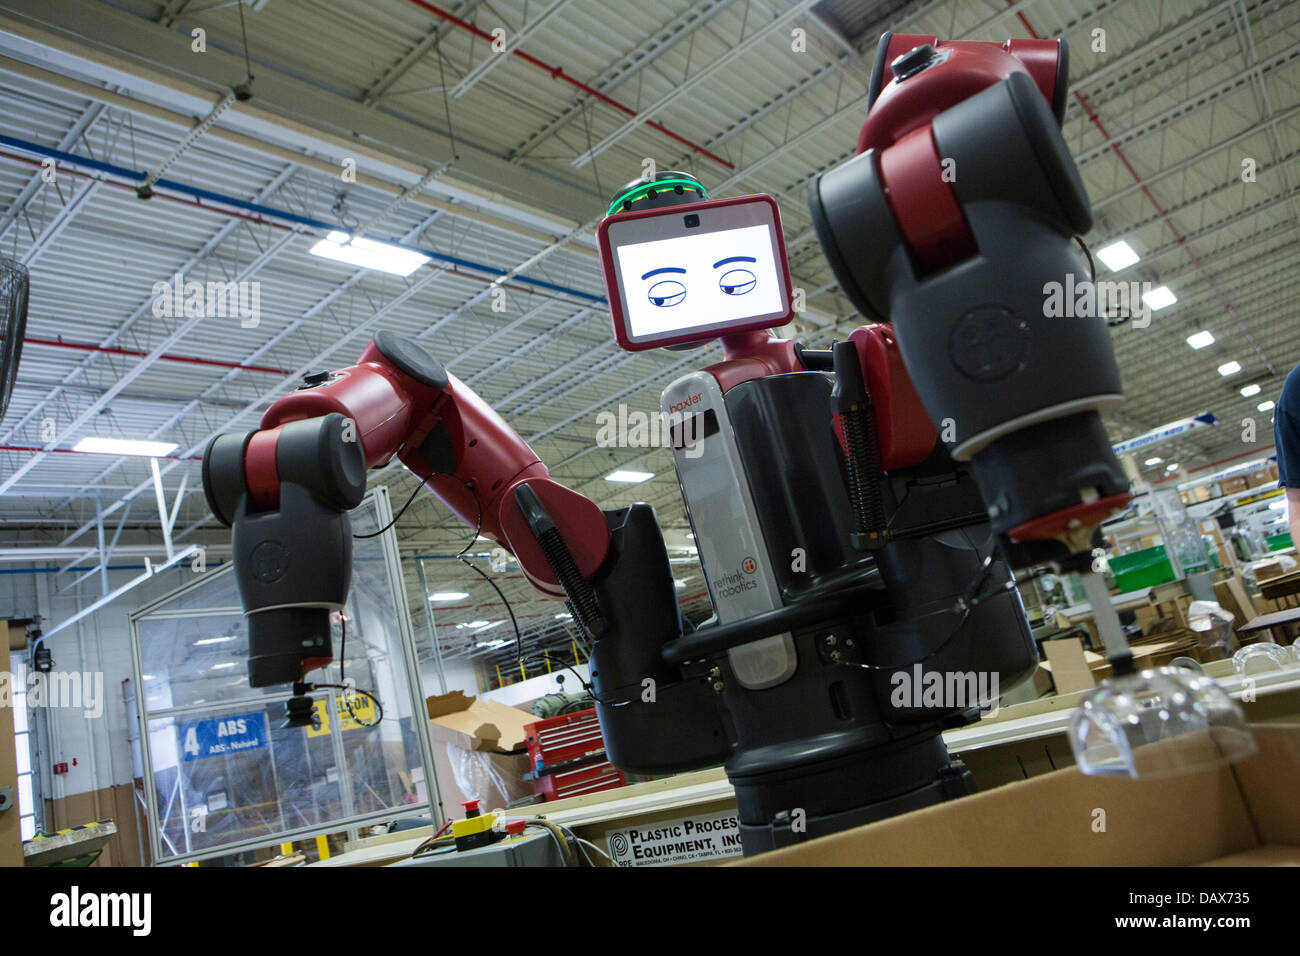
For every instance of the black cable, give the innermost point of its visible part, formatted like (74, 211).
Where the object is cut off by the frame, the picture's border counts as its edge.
(401, 511)
(1111, 321)
(248, 66)
(478, 527)
(343, 681)
(1092, 268)
(969, 600)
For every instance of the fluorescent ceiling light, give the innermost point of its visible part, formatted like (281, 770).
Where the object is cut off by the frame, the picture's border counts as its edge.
(1172, 467)
(1250, 390)
(497, 643)
(448, 596)
(679, 583)
(630, 477)
(1118, 255)
(212, 640)
(1200, 339)
(1229, 368)
(1153, 461)
(369, 254)
(124, 446)
(217, 667)
(1265, 406)
(564, 616)
(1159, 298)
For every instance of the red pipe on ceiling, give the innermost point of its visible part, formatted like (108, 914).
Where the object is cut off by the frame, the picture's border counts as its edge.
(557, 73)
(1160, 210)
(134, 353)
(101, 454)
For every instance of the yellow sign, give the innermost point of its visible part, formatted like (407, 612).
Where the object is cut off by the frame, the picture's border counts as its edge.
(361, 716)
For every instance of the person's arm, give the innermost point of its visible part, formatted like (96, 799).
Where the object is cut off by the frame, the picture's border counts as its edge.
(1286, 436)
(1293, 514)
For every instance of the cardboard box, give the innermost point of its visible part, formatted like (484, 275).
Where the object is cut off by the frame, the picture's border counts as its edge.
(1271, 569)
(479, 751)
(1232, 597)
(1237, 815)
(1231, 486)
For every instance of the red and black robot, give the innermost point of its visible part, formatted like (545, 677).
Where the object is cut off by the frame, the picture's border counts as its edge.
(859, 511)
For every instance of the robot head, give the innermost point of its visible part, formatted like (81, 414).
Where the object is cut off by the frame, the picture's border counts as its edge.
(681, 269)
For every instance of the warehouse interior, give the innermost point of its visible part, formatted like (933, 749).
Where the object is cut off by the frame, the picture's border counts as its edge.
(209, 207)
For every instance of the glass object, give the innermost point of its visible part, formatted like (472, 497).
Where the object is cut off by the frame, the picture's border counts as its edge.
(1260, 658)
(1158, 722)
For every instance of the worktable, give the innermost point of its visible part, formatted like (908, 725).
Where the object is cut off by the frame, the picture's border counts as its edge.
(706, 791)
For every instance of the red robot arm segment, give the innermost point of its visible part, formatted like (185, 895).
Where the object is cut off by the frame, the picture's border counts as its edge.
(285, 491)
(441, 430)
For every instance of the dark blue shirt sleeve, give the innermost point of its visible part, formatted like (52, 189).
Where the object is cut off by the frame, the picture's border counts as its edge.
(1286, 432)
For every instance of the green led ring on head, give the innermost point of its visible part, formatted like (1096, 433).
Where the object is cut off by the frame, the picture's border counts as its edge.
(641, 190)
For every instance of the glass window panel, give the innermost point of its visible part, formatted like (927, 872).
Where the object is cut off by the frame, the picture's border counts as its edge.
(209, 797)
(27, 827)
(22, 747)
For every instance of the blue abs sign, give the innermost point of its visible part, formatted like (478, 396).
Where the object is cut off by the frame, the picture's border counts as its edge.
(222, 736)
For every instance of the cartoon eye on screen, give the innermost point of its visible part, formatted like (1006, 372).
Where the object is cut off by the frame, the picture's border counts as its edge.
(691, 272)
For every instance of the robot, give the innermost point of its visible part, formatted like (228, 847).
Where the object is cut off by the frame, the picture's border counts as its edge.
(860, 512)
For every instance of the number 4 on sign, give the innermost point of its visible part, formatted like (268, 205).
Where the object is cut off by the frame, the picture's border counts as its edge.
(191, 745)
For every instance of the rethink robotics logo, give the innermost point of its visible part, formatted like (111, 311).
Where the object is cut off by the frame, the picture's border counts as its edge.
(179, 298)
(681, 427)
(1104, 299)
(72, 690)
(733, 583)
(945, 690)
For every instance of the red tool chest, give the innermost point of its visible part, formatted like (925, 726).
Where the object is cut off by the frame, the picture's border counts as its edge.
(567, 756)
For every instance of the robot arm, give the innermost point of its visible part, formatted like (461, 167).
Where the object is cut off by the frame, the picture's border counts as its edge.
(953, 222)
(285, 490)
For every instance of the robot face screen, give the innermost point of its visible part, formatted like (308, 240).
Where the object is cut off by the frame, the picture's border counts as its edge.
(691, 272)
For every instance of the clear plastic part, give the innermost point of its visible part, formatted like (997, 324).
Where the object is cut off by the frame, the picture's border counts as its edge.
(1261, 658)
(1160, 722)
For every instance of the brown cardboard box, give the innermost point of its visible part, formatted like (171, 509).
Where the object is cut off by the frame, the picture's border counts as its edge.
(1228, 815)
(1263, 572)
(479, 751)
(1231, 486)
(1232, 597)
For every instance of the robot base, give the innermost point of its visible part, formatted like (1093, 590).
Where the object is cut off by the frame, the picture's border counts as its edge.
(853, 789)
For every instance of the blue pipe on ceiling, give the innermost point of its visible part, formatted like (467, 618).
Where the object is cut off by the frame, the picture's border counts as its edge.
(133, 175)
